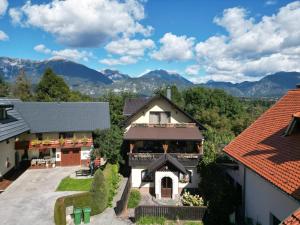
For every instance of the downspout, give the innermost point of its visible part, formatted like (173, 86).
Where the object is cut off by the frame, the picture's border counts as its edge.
(243, 195)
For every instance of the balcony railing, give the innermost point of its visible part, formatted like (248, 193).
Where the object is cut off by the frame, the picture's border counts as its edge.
(54, 143)
(143, 159)
(174, 125)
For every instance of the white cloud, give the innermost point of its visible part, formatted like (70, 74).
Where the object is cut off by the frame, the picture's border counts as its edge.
(70, 54)
(15, 15)
(3, 7)
(252, 48)
(271, 2)
(174, 48)
(192, 70)
(3, 36)
(124, 60)
(87, 23)
(126, 46)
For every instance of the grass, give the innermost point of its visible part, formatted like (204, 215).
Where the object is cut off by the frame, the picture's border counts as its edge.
(149, 220)
(134, 199)
(152, 220)
(70, 184)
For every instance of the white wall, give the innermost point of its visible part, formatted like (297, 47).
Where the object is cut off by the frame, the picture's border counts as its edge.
(136, 179)
(160, 105)
(7, 150)
(262, 198)
(158, 177)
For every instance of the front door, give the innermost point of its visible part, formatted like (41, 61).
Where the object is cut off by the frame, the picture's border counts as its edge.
(70, 157)
(166, 187)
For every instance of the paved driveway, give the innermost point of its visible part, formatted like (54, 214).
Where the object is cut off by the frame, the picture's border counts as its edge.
(30, 199)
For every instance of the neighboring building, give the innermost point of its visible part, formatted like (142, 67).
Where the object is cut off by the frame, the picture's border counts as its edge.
(164, 145)
(11, 126)
(58, 131)
(293, 219)
(268, 158)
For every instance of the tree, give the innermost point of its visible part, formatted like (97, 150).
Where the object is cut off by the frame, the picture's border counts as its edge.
(4, 88)
(52, 88)
(22, 87)
(108, 144)
(116, 104)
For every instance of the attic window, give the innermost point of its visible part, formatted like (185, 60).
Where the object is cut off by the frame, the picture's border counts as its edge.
(294, 126)
(3, 114)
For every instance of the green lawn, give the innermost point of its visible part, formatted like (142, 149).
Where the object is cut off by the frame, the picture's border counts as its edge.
(70, 184)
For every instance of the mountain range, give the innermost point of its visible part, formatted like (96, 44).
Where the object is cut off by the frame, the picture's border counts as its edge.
(92, 82)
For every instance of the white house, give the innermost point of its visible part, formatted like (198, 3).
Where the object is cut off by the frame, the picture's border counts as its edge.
(268, 158)
(164, 145)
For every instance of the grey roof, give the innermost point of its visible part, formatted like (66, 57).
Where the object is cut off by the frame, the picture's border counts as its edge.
(14, 124)
(133, 104)
(64, 116)
(163, 160)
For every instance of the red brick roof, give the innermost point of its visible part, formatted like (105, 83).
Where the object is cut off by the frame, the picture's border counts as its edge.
(293, 219)
(263, 147)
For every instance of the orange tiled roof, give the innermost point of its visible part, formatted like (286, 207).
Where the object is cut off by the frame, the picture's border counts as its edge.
(263, 148)
(293, 219)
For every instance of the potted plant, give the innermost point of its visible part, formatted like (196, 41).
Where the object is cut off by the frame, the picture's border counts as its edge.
(46, 141)
(85, 140)
(61, 141)
(74, 140)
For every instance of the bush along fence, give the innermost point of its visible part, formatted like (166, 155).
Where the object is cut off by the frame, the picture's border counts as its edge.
(122, 203)
(171, 212)
(98, 198)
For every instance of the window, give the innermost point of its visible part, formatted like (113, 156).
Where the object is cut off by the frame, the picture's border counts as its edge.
(185, 178)
(146, 176)
(294, 127)
(160, 117)
(274, 220)
(39, 136)
(2, 114)
(66, 135)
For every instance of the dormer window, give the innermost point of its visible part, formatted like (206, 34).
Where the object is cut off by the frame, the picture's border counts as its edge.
(294, 126)
(3, 114)
(160, 117)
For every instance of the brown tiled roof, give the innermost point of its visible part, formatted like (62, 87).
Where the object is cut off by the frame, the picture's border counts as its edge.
(165, 133)
(293, 219)
(133, 104)
(263, 147)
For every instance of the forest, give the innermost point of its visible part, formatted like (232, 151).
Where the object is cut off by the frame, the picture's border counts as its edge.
(223, 115)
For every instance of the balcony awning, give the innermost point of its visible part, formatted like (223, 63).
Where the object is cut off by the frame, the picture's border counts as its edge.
(164, 133)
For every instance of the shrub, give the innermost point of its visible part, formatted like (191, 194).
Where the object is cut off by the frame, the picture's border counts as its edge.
(112, 179)
(134, 199)
(191, 200)
(96, 199)
(148, 220)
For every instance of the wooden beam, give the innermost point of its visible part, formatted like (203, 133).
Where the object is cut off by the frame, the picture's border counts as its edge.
(132, 144)
(165, 147)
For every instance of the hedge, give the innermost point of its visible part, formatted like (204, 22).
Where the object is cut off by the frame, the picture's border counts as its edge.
(97, 198)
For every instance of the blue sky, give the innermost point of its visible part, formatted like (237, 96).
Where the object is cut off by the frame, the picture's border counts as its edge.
(221, 40)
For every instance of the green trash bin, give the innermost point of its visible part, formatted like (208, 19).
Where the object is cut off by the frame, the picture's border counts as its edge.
(77, 216)
(87, 215)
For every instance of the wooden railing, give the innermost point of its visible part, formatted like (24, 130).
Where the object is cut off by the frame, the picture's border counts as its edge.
(143, 159)
(171, 212)
(174, 125)
(122, 203)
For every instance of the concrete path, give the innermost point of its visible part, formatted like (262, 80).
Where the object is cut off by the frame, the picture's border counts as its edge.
(108, 217)
(30, 199)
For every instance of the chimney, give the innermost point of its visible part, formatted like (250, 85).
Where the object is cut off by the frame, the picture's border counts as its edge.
(298, 86)
(169, 93)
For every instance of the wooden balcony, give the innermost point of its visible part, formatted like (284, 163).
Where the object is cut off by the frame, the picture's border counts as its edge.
(54, 143)
(143, 159)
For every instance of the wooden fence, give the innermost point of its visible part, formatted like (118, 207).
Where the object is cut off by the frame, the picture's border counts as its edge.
(122, 203)
(171, 212)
